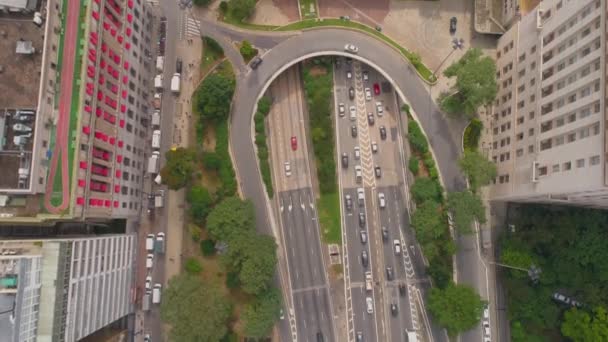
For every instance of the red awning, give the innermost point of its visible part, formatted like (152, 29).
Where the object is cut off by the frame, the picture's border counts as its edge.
(80, 201)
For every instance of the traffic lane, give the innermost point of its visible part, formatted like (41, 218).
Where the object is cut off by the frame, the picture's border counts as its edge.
(364, 322)
(312, 306)
(355, 247)
(308, 218)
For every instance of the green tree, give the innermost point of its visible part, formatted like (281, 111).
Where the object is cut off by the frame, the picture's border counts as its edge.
(416, 137)
(426, 189)
(208, 247)
(456, 307)
(212, 161)
(262, 313)
(186, 304)
(475, 83)
(465, 208)
(429, 222)
(200, 203)
(179, 167)
(241, 9)
(479, 170)
(579, 326)
(193, 266)
(215, 96)
(247, 50)
(413, 165)
(258, 266)
(195, 232)
(230, 218)
(517, 257)
(201, 3)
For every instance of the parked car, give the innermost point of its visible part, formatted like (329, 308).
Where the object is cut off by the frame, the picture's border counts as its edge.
(353, 113)
(374, 147)
(365, 75)
(369, 303)
(376, 89)
(368, 94)
(453, 22)
(358, 174)
(361, 196)
(361, 220)
(381, 200)
(287, 166)
(357, 153)
(379, 108)
(397, 246)
(389, 273)
(148, 284)
(377, 171)
(344, 160)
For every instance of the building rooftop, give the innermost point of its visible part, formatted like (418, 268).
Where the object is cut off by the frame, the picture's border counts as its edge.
(20, 75)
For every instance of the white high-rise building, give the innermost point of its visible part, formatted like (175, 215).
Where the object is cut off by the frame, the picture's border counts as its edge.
(65, 289)
(549, 119)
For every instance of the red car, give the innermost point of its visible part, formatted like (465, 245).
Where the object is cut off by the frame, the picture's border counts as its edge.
(376, 89)
(294, 143)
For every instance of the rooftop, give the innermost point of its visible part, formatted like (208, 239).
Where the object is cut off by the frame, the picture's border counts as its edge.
(20, 72)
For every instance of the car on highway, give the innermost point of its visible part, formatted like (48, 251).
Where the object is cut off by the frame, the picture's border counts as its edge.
(402, 291)
(353, 131)
(377, 171)
(397, 246)
(364, 259)
(384, 234)
(149, 261)
(382, 130)
(351, 93)
(370, 119)
(369, 303)
(255, 62)
(294, 143)
(389, 273)
(365, 75)
(361, 196)
(376, 89)
(486, 313)
(348, 202)
(368, 94)
(363, 236)
(359, 336)
(453, 22)
(381, 200)
(349, 74)
(353, 113)
(281, 314)
(345, 160)
(178, 65)
(351, 48)
(394, 309)
(287, 166)
(357, 153)
(379, 108)
(374, 147)
(361, 220)
(358, 174)
(341, 109)
(148, 284)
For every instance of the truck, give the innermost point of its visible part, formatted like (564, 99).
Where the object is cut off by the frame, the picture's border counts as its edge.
(159, 243)
(411, 336)
(175, 83)
(156, 293)
(160, 61)
(157, 101)
(150, 242)
(153, 162)
(158, 82)
(159, 199)
(368, 281)
(156, 118)
(156, 139)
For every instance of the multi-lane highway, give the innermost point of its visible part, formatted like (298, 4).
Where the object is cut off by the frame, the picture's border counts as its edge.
(309, 297)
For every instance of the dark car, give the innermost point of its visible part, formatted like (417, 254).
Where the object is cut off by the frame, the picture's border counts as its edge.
(353, 131)
(402, 289)
(344, 160)
(394, 309)
(351, 93)
(378, 172)
(389, 273)
(453, 22)
(320, 337)
(382, 132)
(384, 234)
(370, 119)
(255, 62)
(364, 259)
(178, 66)
(361, 220)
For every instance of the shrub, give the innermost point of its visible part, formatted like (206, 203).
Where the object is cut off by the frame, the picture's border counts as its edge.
(211, 161)
(193, 266)
(405, 108)
(212, 44)
(224, 7)
(226, 171)
(472, 134)
(232, 280)
(247, 50)
(417, 138)
(208, 247)
(413, 165)
(440, 270)
(195, 232)
(426, 189)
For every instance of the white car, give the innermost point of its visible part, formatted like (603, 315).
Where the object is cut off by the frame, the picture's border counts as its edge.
(353, 113)
(149, 261)
(361, 196)
(287, 169)
(148, 283)
(357, 153)
(351, 48)
(358, 174)
(147, 338)
(349, 75)
(374, 147)
(365, 75)
(379, 108)
(397, 246)
(368, 94)
(18, 127)
(341, 109)
(381, 200)
(370, 305)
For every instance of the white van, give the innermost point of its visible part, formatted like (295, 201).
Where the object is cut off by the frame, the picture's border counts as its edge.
(370, 305)
(150, 260)
(156, 293)
(150, 242)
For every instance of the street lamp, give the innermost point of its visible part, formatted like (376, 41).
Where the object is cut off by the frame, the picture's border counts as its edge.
(533, 271)
(457, 44)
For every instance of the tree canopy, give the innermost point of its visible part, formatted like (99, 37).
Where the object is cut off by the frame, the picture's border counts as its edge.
(179, 167)
(200, 203)
(479, 170)
(456, 307)
(241, 9)
(475, 83)
(261, 314)
(186, 306)
(259, 264)
(426, 189)
(247, 50)
(465, 208)
(428, 222)
(580, 326)
(215, 96)
(229, 218)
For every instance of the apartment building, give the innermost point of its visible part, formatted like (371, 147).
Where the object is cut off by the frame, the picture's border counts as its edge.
(64, 290)
(93, 165)
(548, 125)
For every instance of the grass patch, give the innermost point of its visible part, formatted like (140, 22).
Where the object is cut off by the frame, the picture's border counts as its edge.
(309, 9)
(212, 52)
(229, 18)
(422, 69)
(472, 134)
(328, 207)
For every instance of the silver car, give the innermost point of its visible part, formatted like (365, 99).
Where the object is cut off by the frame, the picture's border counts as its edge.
(351, 48)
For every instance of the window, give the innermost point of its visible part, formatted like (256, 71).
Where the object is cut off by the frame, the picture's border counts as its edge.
(583, 133)
(530, 148)
(533, 66)
(519, 152)
(522, 57)
(571, 137)
(580, 163)
(594, 160)
(531, 132)
(559, 122)
(532, 81)
(555, 168)
(571, 118)
(559, 140)
(533, 49)
(520, 136)
(531, 115)
(520, 120)
(542, 171)
(567, 166)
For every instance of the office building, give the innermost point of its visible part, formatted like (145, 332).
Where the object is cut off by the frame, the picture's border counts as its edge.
(548, 125)
(65, 289)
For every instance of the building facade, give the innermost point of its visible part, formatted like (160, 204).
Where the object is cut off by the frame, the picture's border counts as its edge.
(65, 290)
(548, 125)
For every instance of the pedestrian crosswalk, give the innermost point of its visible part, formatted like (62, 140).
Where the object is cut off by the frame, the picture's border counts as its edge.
(188, 27)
